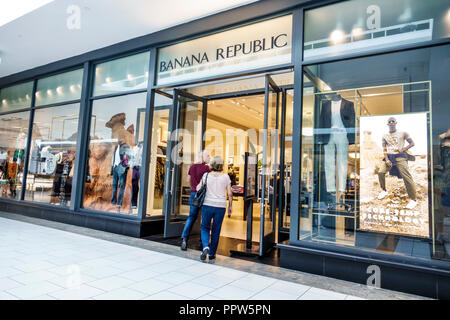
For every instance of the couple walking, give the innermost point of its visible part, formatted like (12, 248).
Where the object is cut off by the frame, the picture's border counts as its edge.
(218, 186)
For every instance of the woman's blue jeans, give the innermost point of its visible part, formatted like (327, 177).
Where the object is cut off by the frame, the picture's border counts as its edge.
(216, 215)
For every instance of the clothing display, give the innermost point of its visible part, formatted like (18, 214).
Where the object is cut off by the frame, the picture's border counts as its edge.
(347, 117)
(135, 185)
(336, 155)
(121, 162)
(337, 131)
(119, 180)
(159, 177)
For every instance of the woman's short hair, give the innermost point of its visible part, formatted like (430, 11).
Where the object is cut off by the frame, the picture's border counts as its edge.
(216, 164)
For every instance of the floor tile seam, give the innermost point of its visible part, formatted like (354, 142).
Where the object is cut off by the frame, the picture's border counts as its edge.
(283, 292)
(310, 287)
(81, 284)
(332, 293)
(231, 281)
(169, 289)
(256, 293)
(120, 276)
(250, 275)
(328, 297)
(160, 290)
(20, 283)
(237, 288)
(195, 277)
(33, 282)
(178, 294)
(11, 294)
(7, 291)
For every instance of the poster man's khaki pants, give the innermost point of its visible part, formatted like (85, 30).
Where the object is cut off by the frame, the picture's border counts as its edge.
(402, 166)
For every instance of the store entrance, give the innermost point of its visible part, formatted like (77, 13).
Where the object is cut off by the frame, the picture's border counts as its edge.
(254, 123)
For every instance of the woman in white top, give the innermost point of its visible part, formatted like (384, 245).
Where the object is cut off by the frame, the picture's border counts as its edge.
(218, 185)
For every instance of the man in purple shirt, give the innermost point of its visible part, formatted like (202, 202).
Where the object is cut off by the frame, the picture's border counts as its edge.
(195, 173)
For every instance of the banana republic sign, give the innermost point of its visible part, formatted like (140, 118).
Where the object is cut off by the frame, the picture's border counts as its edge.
(260, 45)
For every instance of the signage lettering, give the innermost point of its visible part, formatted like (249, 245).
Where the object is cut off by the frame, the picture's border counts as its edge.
(245, 48)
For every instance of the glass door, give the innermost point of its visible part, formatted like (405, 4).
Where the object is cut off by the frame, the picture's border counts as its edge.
(183, 148)
(270, 170)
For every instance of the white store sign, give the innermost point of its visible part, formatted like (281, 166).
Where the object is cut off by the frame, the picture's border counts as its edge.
(260, 45)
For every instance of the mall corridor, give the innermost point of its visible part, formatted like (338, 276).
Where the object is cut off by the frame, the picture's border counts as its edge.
(48, 260)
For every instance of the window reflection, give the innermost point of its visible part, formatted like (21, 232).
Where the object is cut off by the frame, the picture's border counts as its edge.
(52, 155)
(14, 133)
(61, 87)
(16, 97)
(120, 75)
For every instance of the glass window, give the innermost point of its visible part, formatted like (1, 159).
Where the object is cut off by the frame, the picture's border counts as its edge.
(375, 153)
(59, 88)
(115, 154)
(16, 97)
(52, 156)
(359, 25)
(125, 74)
(14, 133)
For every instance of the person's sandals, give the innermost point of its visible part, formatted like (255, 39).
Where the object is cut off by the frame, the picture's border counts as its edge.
(204, 253)
(184, 245)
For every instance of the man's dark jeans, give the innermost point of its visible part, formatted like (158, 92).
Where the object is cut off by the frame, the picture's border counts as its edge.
(193, 214)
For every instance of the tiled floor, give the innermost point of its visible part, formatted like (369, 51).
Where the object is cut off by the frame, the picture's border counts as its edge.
(39, 262)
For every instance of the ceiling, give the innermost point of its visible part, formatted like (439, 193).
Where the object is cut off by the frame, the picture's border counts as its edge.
(50, 33)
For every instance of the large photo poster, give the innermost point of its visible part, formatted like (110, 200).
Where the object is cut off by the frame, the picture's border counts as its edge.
(394, 186)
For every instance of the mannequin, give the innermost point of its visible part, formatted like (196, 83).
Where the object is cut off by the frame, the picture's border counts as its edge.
(136, 159)
(337, 121)
(120, 168)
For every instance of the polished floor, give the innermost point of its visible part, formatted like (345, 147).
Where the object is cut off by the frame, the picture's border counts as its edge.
(43, 259)
(41, 263)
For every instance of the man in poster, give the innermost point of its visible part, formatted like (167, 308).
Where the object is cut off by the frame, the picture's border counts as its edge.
(395, 161)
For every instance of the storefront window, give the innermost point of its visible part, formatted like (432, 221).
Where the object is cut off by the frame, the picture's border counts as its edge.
(52, 155)
(158, 154)
(359, 25)
(59, 88)
(115, 154)
(375, 154)
(14, 134)
(16, 97)
(125, 74)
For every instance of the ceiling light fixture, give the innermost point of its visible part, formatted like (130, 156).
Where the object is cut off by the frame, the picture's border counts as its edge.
(357, 32)
(337, 36)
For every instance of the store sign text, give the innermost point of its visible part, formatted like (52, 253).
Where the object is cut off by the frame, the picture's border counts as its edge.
(246, 48)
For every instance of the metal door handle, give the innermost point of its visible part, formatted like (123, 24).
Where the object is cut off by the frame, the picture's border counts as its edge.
(258, 195)
(171, 183)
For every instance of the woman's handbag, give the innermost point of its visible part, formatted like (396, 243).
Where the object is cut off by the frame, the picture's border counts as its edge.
(199, 197)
